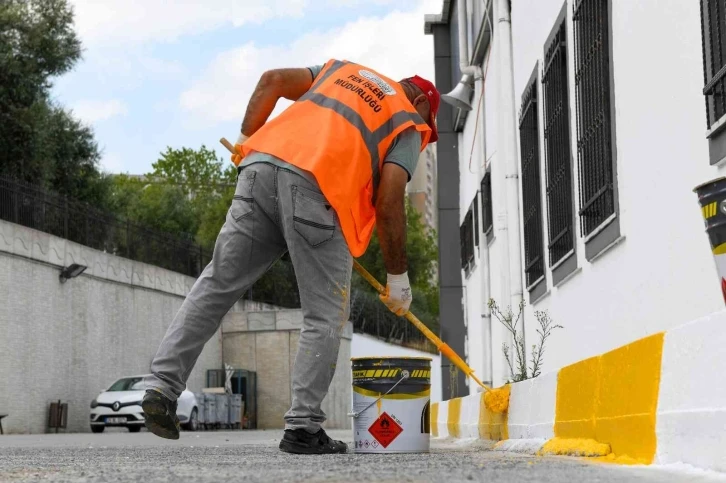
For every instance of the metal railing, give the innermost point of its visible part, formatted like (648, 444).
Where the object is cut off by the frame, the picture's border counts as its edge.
(31, 206)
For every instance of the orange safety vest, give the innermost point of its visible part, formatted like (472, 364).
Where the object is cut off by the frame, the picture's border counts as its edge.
(340, 131)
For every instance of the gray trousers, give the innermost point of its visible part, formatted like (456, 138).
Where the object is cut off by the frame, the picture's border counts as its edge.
(274, 210)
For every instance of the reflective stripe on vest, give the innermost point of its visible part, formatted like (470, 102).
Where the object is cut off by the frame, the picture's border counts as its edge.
(371, 138)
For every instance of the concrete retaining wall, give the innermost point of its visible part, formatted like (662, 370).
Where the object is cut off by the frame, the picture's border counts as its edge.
(659, 400)
(70, 341)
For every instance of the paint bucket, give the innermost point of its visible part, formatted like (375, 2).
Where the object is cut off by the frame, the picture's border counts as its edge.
(712, 198)
(391, 397)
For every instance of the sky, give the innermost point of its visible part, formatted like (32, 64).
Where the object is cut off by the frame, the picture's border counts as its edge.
(157, 74)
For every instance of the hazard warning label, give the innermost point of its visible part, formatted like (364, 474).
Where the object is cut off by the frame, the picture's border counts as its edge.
(385, 430)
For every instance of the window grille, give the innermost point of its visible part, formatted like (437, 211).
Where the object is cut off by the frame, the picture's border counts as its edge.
(557, 147)
(475, 206)
(713, 38)
(467, 241)
(594, 142)
(531, 192)
(486, 202)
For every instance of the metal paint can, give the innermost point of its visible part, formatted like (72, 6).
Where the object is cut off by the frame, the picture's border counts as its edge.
(391, 404)
(712, 198)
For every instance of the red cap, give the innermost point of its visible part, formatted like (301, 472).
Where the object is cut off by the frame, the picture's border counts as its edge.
(434, 99)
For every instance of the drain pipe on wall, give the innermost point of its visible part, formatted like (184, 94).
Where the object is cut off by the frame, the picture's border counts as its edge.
(508, 150)
(467, 70)
(486, 313)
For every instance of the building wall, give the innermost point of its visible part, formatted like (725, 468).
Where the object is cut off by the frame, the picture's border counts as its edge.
(661, 271)
(70, 341)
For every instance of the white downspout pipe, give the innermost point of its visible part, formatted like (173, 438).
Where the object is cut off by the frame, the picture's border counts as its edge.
(486, 314)
(467, 70)
(508, 143)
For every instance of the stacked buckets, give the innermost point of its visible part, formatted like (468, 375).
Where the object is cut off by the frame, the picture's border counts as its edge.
(391, 404)
(712, 198)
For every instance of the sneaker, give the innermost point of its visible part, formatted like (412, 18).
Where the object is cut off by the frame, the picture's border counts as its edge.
(160, 415)
(300, 441)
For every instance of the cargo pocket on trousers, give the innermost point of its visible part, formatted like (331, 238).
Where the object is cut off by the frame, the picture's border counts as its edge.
(312, 216)
(243, 203)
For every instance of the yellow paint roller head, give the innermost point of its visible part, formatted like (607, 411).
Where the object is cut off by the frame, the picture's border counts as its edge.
(497, 400)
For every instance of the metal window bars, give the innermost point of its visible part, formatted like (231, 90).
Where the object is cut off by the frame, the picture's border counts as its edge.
(486, 203)
(594, 141)
(531, 192)
(475, 207)
(467, 241)
(713, 44)
(555, 89)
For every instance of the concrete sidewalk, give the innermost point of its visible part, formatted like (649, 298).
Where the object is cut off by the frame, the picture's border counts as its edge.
(252, 456)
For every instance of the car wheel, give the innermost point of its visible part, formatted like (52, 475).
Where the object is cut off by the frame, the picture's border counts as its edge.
(134, 429)
(193, 424)
(98, 429)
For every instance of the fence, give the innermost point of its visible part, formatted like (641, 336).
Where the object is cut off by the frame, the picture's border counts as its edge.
(31, 206)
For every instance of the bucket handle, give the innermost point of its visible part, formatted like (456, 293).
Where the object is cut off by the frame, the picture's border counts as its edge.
(404, 375)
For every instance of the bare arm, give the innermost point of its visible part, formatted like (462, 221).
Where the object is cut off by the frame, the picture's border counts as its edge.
(391, 218)
(274, 84)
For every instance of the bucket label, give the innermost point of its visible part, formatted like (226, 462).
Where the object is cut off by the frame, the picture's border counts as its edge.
(385, 429)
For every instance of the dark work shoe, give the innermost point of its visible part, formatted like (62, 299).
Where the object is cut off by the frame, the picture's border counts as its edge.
(160, 415)
(300, 441)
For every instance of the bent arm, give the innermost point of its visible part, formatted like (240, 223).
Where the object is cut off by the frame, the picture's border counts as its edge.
(391, 218)
(274, 84)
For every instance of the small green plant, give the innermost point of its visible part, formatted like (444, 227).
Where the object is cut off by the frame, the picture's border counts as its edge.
(518, 368)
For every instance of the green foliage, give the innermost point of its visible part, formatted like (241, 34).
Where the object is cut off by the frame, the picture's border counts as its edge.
(187, 195)
(422, 254)
(41, 142)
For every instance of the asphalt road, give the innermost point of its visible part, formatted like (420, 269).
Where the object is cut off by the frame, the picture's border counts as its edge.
(252, 456)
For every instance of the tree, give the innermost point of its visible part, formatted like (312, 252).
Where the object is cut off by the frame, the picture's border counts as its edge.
(206, 180)
(41, 142)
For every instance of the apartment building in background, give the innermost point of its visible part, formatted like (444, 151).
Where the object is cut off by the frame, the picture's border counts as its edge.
(590, 122)
(422, 187)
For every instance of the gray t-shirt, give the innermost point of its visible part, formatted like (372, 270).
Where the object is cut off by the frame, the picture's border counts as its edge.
(404, 150)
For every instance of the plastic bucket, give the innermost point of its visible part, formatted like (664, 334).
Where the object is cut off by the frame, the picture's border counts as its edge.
(391, 397)
(712, 198)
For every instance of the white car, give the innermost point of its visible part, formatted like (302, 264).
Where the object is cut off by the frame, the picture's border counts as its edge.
(120, 406)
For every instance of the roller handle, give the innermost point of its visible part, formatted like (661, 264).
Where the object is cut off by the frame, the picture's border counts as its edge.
(444, 348)
(228, 145)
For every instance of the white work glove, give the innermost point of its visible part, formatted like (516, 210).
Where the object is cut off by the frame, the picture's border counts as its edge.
(397, 296)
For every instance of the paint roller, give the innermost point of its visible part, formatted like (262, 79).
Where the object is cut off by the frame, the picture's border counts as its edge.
(496, 400)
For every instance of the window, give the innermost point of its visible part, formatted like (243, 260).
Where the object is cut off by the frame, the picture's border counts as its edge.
(531, 191)
(475, 206)
(713, 31)
(486, 205)
(558, 156)
(467, 242)
(595, 152)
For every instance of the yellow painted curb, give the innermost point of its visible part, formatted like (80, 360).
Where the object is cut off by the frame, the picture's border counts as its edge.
(574, 447)
(435, 419)
(454, 418)
(612, 399)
